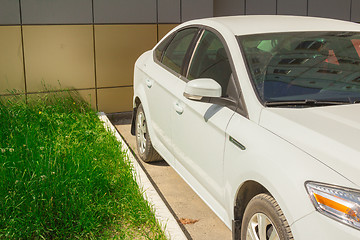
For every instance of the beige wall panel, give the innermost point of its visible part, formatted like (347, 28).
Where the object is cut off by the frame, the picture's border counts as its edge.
(115, 99)
(11, 60)
(164, 29)
(56, 54)
(89, 96)
(117, 48)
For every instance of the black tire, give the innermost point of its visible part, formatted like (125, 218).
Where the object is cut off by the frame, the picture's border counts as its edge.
(144, 146)
(264, 206)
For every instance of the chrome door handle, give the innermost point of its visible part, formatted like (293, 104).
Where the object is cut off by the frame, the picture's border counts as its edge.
(148, 83)
(179, 109)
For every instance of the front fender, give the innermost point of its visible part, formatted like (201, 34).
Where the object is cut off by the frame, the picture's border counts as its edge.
(274, 163)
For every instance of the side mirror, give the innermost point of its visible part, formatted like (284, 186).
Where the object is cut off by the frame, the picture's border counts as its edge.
(207, 90)
(198, 89)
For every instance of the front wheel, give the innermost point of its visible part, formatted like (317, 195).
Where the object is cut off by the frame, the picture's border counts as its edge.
(144, 146)
(264, 220)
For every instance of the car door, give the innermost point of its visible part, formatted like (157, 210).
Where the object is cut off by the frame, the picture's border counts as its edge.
(198, 129)
(161, 83)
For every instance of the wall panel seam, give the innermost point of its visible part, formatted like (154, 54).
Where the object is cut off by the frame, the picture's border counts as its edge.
(23, 50)
(125, 86)
(94, 49)
(307, 7)
(181, 17)
(157, 20)
(245, 7)
(83, 24)
(10, 25)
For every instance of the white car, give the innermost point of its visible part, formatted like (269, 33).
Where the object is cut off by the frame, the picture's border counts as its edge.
(259, 115)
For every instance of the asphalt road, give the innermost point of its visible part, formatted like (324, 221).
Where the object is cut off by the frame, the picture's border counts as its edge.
(196, 219)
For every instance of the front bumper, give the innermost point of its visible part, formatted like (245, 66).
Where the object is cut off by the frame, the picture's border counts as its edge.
(317, 226)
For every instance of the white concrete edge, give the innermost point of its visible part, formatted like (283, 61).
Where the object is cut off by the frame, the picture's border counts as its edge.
(167, 221)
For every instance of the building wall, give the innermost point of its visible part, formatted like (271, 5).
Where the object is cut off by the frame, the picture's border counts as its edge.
(338, 9)
(91, 45)
(87, 45)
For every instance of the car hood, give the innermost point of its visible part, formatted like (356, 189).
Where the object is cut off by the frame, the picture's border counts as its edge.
(330, 134)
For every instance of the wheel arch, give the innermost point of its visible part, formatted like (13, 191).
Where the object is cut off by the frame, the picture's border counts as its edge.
(246, 192)
(141, 98)
(136, 104)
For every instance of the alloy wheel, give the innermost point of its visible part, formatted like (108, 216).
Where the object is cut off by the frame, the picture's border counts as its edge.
(260, 227)
(141, 132)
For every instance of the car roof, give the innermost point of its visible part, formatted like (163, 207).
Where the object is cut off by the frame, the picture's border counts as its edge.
(255, 24)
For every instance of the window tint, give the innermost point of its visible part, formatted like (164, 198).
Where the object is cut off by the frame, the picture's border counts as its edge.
(160, 49)
(175, 53)
(210, 61)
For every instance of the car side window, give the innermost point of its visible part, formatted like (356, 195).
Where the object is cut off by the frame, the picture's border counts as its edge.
(174, 54)
(161, 47)
(210, 61)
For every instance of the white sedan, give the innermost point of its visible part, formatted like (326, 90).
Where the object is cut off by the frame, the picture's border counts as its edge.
(260, 116)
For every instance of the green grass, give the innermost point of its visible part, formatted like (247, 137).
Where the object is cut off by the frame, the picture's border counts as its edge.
(63, 176)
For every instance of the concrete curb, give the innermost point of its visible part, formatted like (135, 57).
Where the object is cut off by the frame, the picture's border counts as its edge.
(167, 221)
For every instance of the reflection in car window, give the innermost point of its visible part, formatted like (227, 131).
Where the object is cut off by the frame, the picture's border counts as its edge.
(175, 53)
(160, 49)
(319, 66)
(210, 61)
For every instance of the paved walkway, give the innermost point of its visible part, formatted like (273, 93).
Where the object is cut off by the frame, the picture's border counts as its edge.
(182, 201)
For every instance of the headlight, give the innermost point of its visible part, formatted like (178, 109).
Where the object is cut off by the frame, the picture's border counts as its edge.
(339, 203)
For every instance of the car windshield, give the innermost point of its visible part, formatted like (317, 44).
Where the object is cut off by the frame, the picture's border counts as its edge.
(308, 68)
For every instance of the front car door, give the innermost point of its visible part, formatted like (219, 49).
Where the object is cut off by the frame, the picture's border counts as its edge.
(198, 130)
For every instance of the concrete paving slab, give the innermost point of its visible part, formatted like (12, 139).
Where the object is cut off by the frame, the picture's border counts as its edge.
(180, 198)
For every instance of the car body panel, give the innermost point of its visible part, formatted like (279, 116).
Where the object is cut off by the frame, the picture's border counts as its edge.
(191, 146)
(276, 164)
(329, 134)
(158, 119)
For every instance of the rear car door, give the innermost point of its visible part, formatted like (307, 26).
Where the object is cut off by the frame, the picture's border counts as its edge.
(198, 130)
(162, 80)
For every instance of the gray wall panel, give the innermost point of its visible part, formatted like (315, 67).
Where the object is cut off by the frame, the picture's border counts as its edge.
(355, 11)
(9, 12)
(125, 11)
(229, 7)
(169, 11)
(196, 9)
(260, 7)
(339, 9)
(292, 7)
(56, 11)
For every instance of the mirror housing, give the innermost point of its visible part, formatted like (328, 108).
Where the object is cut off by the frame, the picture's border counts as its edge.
(207, 90)
(202, 88)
